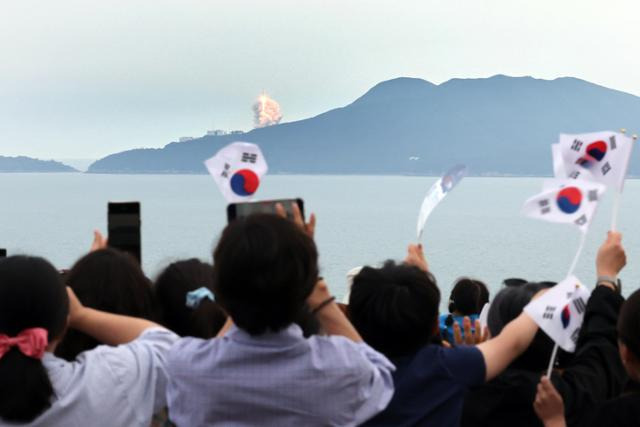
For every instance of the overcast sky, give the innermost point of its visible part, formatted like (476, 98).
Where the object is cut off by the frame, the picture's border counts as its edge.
(82, 78)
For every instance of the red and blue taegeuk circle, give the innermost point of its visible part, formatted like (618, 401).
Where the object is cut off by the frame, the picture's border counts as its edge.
(565, 316)
(569, 199)
(597, 150)
(244, 182)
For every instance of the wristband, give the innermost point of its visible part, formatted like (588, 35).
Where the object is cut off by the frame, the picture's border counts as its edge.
(323, 304)
(617, 284)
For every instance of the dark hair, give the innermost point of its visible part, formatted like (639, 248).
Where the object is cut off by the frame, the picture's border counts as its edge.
(506, 306)
(468, 296)
(107, 280)
(31, 296)
(629, 324)
(264, 269)
(171, 288)
(395, 307)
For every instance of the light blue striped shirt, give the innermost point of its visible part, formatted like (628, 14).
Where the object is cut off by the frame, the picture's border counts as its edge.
(109, 386)
(276, 379)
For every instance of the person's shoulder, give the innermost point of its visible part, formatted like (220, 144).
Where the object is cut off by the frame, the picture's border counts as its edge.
(337, 352)
(187, 349)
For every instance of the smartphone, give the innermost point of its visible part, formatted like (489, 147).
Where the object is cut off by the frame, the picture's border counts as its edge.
(240, 210)
(3, 253)
(123, 221)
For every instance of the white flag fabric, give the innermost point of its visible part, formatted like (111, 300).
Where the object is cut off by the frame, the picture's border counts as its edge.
(238, 169)
(604, 155)
(437, 192)
(568, 171)
(560, 311)
(566, 201)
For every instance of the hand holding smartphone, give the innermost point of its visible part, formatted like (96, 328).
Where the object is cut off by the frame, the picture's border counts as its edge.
(241, 210)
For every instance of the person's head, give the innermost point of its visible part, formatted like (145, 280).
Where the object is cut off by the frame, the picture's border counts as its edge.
(264, 269)
(395, 307)
(506, 306)
(107, 280)
(629, 335)
(468, 296)
(31, 296)
(205, 318)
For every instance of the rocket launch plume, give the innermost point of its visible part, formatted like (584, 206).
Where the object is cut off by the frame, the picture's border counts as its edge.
(266, 111)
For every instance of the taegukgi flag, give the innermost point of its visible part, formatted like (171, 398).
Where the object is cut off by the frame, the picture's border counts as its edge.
(566, 201)
(604, 155)
(238, 169)
(437, 192)
(560, 312)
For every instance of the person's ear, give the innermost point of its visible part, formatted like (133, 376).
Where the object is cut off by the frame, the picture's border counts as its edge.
(435, 329)
(629, 361)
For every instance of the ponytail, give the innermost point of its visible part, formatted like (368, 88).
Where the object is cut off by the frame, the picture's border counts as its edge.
(25, 388)
(32, 296)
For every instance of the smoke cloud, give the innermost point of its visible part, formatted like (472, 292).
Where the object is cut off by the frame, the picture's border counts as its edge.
(266, 112)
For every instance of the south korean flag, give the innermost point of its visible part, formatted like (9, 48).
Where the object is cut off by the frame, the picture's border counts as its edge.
(560, 312)
(566, 201)
(238, 169)
(599, 156)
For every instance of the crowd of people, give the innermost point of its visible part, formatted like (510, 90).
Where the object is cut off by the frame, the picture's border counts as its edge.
(256, 338)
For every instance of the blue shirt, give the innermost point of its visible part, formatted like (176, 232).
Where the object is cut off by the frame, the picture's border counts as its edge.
(430, 386)
(109, 386)
(447, 331)
(277, 379)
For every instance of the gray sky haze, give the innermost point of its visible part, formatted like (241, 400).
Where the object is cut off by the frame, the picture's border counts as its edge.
(83, 79)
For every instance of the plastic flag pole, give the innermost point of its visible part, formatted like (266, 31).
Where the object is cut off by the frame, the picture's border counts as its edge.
(554, 353)
(616, 206)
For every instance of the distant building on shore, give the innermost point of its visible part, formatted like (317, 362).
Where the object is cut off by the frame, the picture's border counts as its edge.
(236, 132)
(185, 138)
(216, 132)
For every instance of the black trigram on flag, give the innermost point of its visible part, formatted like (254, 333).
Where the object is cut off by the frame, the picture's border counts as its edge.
(544, 206)
(249, 157)
(548, 312)
(605, 168)
(225, 172)
(575, 334)
(577, 144)
(612, 142)
(580, 305)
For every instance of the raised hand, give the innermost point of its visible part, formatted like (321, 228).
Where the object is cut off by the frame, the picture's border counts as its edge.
(415, 257)
(611, 256)
(549, 405)
(309, 227)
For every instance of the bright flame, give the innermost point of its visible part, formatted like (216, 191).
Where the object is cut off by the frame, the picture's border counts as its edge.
(266, 111)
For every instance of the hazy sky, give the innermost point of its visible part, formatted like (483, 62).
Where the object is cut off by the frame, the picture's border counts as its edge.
(82, 78)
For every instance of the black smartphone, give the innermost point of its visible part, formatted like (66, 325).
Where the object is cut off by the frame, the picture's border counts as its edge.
(240, 210)
(124, 227)
(3, 253)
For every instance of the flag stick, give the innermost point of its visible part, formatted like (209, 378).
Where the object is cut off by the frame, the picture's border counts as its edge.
(616, 207)
(552, 361)
(583, 239)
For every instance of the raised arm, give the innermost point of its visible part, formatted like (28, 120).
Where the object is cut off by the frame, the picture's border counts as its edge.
(331, 318)
(512, 341)
(111, 329)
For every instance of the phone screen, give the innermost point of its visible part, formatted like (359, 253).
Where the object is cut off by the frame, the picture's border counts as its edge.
(240, 210)
(3, 253)
(124, 227)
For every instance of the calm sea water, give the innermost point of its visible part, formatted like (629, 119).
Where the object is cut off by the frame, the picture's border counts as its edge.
(477, 231)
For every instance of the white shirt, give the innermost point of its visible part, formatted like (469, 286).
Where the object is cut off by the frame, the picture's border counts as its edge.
(109, 386)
